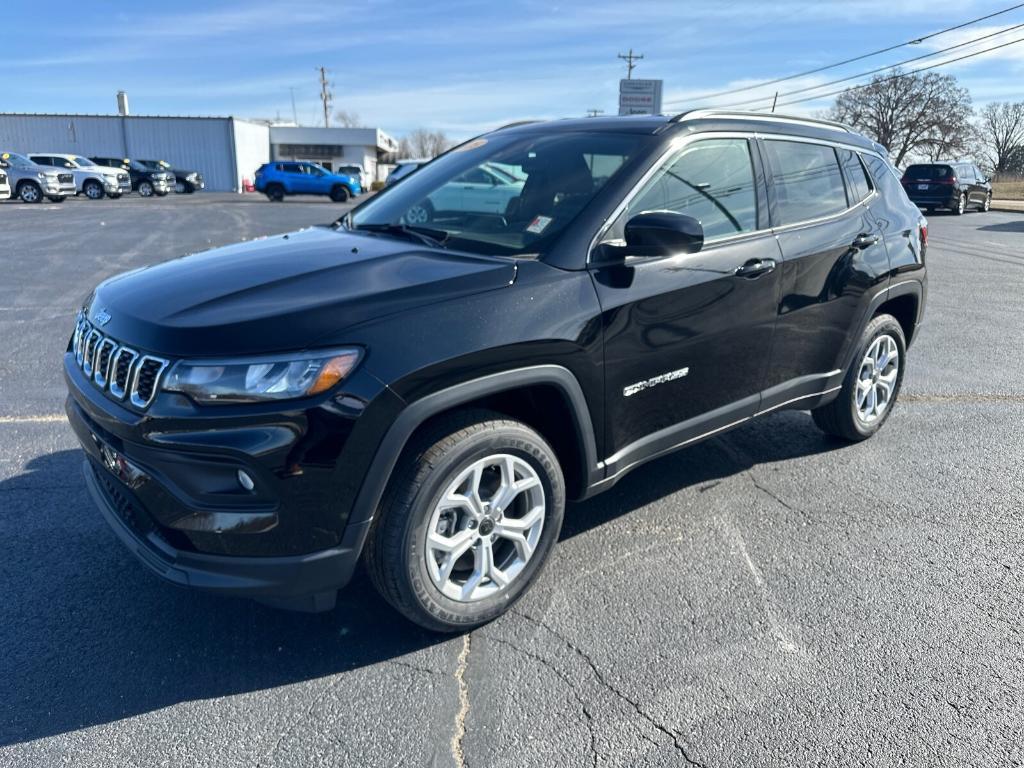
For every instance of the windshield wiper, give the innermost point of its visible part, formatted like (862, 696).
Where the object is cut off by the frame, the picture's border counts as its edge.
(435, 238)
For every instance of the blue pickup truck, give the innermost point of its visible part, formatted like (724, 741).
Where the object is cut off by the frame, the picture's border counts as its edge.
(276, 180)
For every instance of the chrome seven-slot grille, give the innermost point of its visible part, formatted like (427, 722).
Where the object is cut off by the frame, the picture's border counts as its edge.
(118, 370)
(122, 177)
(65, 178)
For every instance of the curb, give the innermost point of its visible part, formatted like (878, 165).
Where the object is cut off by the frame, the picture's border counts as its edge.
(1016, 206)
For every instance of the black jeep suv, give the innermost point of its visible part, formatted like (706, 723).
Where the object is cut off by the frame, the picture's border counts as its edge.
(956, 186)
(259, 417)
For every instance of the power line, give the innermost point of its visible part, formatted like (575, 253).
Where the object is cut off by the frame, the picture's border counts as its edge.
(873, 71)
(915, 41)
(901, 74)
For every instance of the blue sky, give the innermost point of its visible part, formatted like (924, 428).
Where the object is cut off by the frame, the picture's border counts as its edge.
(462, 66)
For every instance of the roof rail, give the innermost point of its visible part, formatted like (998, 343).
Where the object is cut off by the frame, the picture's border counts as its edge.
(692, 114)
(514, 124)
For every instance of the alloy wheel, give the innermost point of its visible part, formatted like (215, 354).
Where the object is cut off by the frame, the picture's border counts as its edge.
(418, 214)
(30, 193)
(988, 202)
(961, 204)
(876, 381)
(93, 191)
(485, 528)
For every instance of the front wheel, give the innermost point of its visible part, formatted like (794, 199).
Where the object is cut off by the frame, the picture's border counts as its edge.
(146, 189)
(871, 385)
(29, 192)
(179, 187)
(55, 198)
(987, 206)
(420, 213)
(340, 194)
(93, 190)
(471, 514)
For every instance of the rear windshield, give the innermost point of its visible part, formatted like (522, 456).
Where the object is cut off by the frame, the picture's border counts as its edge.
(928, 172)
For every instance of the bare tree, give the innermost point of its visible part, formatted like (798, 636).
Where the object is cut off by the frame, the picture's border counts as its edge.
(426, 143)
(347, 119)
(927, 114)
(1001, 129)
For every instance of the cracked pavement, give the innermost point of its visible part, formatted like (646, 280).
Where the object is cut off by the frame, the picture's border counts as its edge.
(767, 598)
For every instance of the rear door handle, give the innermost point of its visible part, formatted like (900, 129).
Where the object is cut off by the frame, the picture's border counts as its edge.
(756, 268)
(864, 241)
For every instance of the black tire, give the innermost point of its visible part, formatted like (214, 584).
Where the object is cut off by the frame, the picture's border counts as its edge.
(146, 189)
(395, 554)
(929, 209)
(56, 198)
(987, 205)
(841, 417)
(30, 192)
(961, 205)
(340, 194)
(275, 193)
(115, 196)
(180, 188)
(93, 189)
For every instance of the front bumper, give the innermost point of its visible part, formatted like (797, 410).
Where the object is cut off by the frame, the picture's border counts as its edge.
(304, 582)
(117, 187)
(56, 189)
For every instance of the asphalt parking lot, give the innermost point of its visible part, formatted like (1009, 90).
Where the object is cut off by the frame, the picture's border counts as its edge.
(769, 597)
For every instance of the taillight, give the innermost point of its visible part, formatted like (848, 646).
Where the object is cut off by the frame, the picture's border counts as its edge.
(924, 234)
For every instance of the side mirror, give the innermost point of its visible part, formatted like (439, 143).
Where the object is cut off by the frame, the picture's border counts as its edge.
(663, 233)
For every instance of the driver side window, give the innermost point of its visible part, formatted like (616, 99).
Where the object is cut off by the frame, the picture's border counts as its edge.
(711, 180)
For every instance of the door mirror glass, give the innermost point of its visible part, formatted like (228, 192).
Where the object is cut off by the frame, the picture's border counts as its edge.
(663, 233)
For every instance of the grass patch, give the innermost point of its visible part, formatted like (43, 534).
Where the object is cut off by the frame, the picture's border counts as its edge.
(1008, 190)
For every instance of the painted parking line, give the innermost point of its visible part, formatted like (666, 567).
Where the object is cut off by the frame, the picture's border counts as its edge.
(46, 418)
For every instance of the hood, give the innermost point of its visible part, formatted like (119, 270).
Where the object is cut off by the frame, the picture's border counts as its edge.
(103, 169)
(284, 292)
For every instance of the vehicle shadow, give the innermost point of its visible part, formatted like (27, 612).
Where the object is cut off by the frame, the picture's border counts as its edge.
(1006, 226)
(89, 636)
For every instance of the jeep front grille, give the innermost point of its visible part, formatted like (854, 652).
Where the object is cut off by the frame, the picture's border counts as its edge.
(118, 370)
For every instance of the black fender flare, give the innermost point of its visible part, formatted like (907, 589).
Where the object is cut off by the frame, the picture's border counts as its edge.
(416, 413)
(909, 286)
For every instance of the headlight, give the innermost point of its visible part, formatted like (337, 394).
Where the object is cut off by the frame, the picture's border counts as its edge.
(277, 377)
(192, 176)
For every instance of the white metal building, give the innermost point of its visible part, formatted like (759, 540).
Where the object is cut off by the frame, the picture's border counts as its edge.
(225, 150)
(370, 148)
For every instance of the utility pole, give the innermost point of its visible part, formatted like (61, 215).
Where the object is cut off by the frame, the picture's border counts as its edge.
(594, 112)
(295, 114)
(629, 58)
(325, 96)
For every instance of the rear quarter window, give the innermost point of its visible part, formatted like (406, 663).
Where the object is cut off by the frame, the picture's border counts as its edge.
(886, 181)
(856, 176)
(806, 180)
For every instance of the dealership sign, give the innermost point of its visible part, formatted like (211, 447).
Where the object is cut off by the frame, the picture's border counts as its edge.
(639, 97)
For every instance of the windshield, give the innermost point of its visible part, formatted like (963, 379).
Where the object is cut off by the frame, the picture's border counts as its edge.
(16, 161)
(83, 162)
(506, 194)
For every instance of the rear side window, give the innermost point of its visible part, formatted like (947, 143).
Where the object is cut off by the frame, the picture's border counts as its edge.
(885, 178)
(40, 160)
(856, 177)
(712, 181)
(806, 180)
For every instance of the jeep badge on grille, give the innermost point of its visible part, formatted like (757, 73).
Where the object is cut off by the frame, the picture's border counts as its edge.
(102, 317)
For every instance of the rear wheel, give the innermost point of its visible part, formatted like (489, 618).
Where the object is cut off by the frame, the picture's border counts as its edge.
(961, 205)
(987, 206)
(340, 194)
(93, 189)
(871, 385)
(30, 192)
(275, 193)
(471, 514)
(55, 198)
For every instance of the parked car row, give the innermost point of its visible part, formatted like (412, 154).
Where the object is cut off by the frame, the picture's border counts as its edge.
(56, 176)
(282, 178)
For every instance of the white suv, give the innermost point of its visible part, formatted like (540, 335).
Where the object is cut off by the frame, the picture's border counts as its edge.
(93, 181)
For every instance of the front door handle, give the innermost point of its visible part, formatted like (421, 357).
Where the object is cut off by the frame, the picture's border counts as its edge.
(756, 268)
(864, 241)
